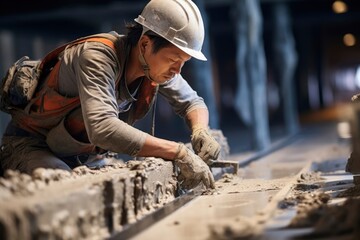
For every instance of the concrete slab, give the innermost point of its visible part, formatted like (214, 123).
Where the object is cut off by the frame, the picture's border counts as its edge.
(200, 218)
(249, 204)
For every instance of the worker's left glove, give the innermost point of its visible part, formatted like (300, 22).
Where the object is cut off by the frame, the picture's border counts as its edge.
(193, 170)
(204, 144)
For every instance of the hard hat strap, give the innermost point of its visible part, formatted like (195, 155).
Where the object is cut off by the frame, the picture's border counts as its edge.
(144, 65)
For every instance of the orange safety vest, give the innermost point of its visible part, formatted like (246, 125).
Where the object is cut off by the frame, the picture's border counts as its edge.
(48, 107)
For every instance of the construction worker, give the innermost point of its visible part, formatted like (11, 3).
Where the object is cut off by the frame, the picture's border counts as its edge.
(100, 86)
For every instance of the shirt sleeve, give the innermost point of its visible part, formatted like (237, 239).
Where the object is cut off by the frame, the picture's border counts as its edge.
(95, 71)
(181, 96)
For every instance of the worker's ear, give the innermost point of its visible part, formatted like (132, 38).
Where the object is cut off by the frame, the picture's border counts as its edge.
(144, 42)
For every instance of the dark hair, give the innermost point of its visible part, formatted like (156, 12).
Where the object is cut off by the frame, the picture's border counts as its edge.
(134, 31)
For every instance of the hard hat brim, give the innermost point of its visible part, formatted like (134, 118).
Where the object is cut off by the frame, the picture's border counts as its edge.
(196, 54)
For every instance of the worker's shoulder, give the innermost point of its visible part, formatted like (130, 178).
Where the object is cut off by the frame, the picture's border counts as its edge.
(107, 47)
(106, 38)
(111, 40)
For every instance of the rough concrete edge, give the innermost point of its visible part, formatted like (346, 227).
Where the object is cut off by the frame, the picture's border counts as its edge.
(144, 189)
(142, 224)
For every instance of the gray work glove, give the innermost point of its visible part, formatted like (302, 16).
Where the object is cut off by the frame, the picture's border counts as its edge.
(193, 169)
(204, 144)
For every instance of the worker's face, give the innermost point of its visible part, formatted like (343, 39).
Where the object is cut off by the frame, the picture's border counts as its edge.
(165, 63)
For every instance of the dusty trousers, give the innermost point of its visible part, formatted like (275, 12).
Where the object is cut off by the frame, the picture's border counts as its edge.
(28, 153)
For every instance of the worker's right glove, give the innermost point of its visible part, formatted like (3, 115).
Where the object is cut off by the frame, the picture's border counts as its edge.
(204, 144)
(193, 169)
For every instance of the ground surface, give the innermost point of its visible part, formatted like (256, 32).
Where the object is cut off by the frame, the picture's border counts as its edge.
(297, 189)
(289, 193)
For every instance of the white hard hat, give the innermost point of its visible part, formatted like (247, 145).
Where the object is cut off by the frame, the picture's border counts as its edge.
(178, 21)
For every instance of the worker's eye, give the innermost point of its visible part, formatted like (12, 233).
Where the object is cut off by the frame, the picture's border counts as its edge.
(172, 60)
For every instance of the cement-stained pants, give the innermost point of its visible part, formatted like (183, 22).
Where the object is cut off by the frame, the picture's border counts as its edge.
(28, 153)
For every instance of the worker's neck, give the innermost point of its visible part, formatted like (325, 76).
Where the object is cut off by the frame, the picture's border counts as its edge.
(134, 69)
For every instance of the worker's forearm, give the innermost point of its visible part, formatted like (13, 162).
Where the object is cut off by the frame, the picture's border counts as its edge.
(157, 147)
(198, 118)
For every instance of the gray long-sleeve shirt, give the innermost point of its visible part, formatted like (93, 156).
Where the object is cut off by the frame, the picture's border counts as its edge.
(89, 70)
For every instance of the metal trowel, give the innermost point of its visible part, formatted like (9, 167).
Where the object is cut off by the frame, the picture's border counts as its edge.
(224, 164)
